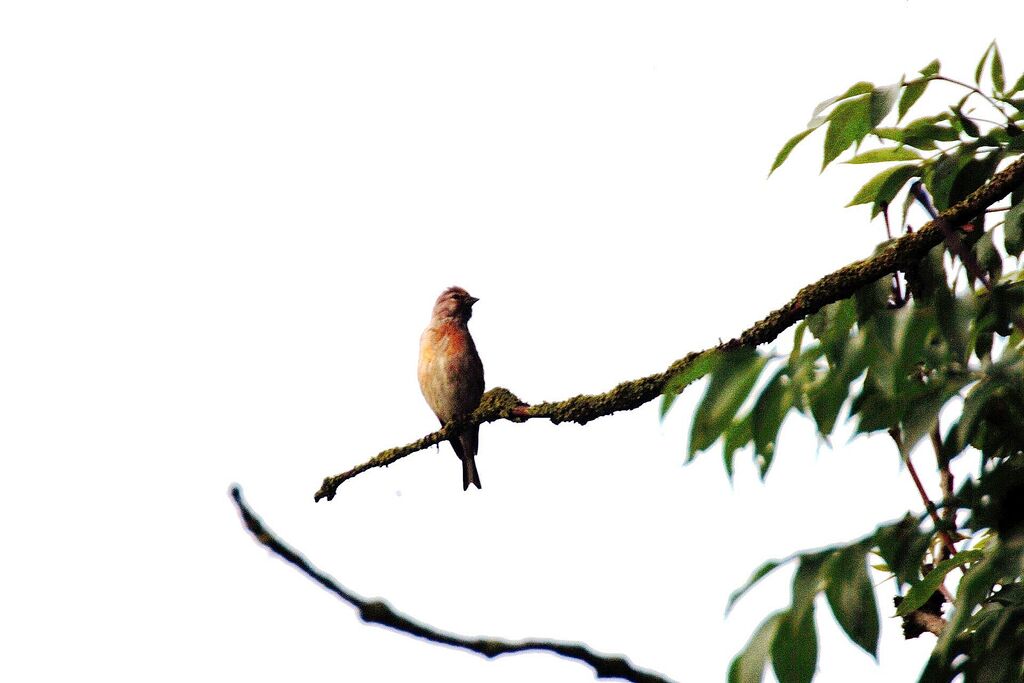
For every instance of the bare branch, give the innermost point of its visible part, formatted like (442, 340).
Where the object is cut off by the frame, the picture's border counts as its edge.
(379, 612)
(928, 622)
(927, 617)
(900, 254)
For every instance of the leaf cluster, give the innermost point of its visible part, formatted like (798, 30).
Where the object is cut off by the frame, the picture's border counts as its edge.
(952, 151)
(943, 338)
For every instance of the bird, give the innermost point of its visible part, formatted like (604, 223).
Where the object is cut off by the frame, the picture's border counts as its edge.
(451, 374)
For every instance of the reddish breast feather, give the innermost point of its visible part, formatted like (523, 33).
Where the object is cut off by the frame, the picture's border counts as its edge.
(452, 338)
(442, 352)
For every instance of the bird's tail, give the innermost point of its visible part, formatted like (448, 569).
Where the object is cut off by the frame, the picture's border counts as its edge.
(469, 473)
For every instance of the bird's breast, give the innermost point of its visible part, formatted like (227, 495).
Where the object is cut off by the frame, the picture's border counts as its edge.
(449, 370)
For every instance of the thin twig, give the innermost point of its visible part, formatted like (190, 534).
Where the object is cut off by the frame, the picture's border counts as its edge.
(947, 540)
(956, 245)
(945, 484)
(501, 404)
(379, 612)
(953, 241)
(977, 91)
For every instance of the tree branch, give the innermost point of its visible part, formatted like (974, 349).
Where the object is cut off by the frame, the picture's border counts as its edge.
(501, 404)
(928, 622)
(977, 91)
(927, 617)
(379, 612)
(947, 540)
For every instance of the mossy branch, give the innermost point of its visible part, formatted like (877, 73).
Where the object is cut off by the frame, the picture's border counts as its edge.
(900, 254)
(380, 612)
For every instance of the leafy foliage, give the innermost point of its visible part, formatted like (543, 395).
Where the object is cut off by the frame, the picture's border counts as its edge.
(945, 335)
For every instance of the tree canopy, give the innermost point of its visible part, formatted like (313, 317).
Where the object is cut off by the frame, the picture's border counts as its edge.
(923, 341)
(931, 355)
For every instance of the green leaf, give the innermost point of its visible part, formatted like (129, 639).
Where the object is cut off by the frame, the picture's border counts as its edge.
(998, 503)
(981, 64)
(1013, 230)
(969, 126)
(922, 133)
(983, 344)
(885, 154)
(767, 416)
(870, 300)
(761, 572)
(971, 176)
(923, 589)
(922, 410)
(828, 395)
(1017, 87)
(993, 627)
(927, 128)
(938, 670)
(1003, 560)
(909, 338)
(861, 88)
(730, 385)
(851, 596)
(875, 407)
(997, 69)
(988, 257)
(911, 94)
(788, 147)
(805, 372)
(700, 366)
(884, 187)
(849, 122)
(748, 665)
(798, 342)
(827, 400)
(902, 545)
(795, 648)
(889, 133)
(738, 435)
(941, 174)
(932, 68)
(808, 581)
(883, 99)
(929, 284)
(831, 326)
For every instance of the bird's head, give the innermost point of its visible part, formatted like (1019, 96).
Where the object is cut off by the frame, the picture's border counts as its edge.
(454, 302)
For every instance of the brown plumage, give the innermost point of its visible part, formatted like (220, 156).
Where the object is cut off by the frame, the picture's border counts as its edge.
(451, 374)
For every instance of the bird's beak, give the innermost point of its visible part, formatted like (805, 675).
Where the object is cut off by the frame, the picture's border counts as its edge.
(473, 300)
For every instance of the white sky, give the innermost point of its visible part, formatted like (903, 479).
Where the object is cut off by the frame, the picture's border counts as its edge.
(224, 225)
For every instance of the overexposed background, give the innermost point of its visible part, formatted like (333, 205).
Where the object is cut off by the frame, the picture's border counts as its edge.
(223, 228)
